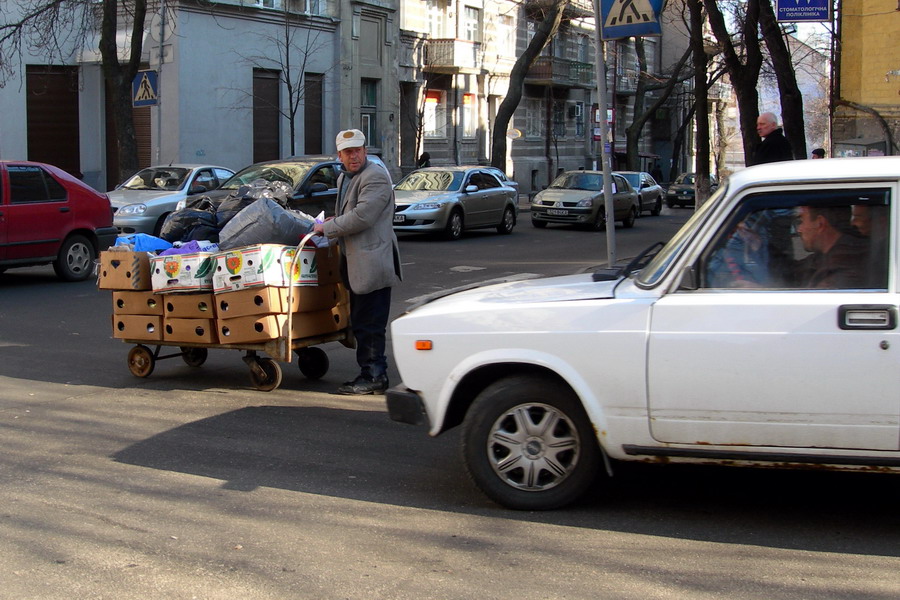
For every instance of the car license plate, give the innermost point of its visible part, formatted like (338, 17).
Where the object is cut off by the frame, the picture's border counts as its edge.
(684, 196)
(559, 212)
(399, 218)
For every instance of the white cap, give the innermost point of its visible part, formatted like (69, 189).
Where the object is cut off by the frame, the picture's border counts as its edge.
(351, 138)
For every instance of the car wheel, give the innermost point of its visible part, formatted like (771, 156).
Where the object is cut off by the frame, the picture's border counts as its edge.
(159, 224)
(599, 222)
(670, 204)
(628, 221)
(539, 224)
(657, 207)
(507, 222)
(454, 229)
(75, 260)
(528, 444)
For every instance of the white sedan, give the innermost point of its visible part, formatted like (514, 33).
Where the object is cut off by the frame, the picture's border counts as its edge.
(765, 332)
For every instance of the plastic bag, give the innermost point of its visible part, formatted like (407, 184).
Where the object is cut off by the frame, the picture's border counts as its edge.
(265, 222)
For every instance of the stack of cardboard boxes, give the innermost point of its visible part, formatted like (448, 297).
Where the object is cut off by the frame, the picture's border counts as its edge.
(234, 297)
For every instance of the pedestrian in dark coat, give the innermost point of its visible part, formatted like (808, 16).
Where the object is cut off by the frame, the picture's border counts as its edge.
(774, 147)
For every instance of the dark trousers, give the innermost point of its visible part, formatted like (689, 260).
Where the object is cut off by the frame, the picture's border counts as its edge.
(369, 318)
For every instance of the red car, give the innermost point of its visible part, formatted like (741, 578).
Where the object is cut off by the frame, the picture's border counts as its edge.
(49, 216)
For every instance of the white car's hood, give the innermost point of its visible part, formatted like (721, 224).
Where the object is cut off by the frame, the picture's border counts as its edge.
(120, 198)
(550, 289)
(406, 197)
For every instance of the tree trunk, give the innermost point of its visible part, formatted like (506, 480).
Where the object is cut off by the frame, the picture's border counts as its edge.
(507, 108)
(744, 75)
(701, 101)
(788, 90)
(118, 78)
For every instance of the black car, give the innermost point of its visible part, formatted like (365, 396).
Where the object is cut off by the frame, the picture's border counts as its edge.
(681, 191)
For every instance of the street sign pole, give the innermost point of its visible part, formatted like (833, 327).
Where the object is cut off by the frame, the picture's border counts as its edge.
(605, 162)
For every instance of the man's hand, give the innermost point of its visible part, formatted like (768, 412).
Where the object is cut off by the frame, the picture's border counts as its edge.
(319, 229)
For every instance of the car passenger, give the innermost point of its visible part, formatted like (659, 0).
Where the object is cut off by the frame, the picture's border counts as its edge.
(838, 255)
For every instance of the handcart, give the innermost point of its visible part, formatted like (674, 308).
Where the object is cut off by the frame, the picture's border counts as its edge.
(265, 371)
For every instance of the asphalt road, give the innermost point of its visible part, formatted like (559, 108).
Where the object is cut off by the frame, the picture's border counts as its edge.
(192, 484)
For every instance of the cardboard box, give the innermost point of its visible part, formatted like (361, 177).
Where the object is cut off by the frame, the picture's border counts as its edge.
(137, 327)
(190, 306)
(182, 272)
(200, 331)
(137, 303)
(262, 328)
(124, 270)
(268, 265)
(273, 300)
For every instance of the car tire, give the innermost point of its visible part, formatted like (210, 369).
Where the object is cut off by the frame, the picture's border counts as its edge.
(629, 220)
(159, 224)
(454, 229)
(508, 222)
(670, 204)
(75, 260)
(538, 224)
(657, 207)
(519, 461)
(599, 222)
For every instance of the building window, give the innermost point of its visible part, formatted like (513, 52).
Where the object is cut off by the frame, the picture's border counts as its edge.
(473, 24)
(368, 108)
(437, 10)
(435, 117)
(534, 117)
(579, 119)
(559, 119)
(469, 116)
(585, 49)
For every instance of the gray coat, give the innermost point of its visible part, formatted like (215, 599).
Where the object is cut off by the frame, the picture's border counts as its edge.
(364, 217)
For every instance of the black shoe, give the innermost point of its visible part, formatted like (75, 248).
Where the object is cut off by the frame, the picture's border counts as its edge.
(362, 386)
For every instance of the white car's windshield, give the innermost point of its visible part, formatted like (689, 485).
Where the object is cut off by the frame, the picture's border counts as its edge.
(575, 180)
(157, 178)
(432, 181)
(653, 272)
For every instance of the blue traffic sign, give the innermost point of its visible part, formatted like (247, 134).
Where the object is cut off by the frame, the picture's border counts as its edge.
(145, 89)
(796, 11)
(628, 18)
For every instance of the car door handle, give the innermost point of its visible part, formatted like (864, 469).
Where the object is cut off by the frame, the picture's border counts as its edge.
(867, 316)
(64, 209)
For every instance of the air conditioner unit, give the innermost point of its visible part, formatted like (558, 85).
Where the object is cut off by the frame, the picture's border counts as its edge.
(576, 110)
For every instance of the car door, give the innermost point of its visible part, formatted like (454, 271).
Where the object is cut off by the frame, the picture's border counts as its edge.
(768, 360)
(38, 213)
(4, 216)
(313, 201)
(484, 205)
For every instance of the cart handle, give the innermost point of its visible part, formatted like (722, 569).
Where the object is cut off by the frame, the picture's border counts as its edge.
(286, 340)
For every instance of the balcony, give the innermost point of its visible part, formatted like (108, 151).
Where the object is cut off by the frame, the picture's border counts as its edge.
(550, 70)
(452, 55)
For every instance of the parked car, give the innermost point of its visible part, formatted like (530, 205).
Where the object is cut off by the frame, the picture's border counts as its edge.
(744, 340)
(47, 216)
(313, 178)
(144, 200)
(503, 178)
(681, 191)
(576, 198)
(450, 200)
(650, 193)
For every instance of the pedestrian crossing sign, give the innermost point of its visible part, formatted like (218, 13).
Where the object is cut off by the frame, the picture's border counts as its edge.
(145, 89)
(629, 18)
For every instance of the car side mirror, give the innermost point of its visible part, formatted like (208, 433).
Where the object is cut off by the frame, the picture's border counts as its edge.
(318, 187)
(688, 278)
(471, 188)
(197, 189)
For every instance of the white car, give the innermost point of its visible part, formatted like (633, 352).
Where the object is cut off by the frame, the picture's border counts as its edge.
(143, 201)
(765, 332)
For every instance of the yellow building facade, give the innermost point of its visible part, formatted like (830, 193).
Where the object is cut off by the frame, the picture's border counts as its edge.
(867, 103)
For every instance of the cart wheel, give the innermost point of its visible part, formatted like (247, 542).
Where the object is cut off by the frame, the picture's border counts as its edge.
(313, 362)
(141, 361)
(265, 374)
(194, 357)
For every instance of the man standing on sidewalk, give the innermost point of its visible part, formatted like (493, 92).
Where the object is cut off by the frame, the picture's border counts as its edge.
(370, 257)
(774, 147)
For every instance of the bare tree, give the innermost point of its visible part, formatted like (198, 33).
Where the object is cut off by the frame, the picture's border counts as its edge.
(552, 16)
(289, 54)
(57, 29)
(701, 100)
